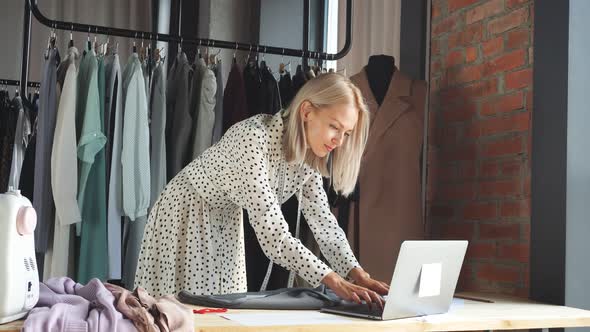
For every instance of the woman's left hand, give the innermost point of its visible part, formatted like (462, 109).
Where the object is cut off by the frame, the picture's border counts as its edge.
(363, 279)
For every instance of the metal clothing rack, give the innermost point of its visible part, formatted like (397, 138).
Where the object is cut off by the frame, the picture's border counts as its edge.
(4, 82)
(32, 7)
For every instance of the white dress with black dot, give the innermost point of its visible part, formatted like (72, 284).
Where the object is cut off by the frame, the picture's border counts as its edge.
(194, 237)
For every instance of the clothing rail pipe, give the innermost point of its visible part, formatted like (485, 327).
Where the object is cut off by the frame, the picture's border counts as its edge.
(146, 35)
(17, 83)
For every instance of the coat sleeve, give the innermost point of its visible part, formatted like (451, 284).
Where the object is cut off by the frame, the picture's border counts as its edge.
(330, 237)
(264, 211)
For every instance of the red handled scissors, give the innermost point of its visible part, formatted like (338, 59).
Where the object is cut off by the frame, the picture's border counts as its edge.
(209, 310)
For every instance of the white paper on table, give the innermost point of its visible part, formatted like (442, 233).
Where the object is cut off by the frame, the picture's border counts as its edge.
(286, 318)
(430, 278)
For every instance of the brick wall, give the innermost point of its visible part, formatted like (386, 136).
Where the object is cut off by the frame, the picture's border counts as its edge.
(479, 138)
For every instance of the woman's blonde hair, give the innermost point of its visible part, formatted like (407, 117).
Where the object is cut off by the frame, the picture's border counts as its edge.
(326, 90)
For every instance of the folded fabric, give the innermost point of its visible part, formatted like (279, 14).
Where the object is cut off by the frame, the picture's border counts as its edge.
(148, 314)
(279, 299)
(67, 306)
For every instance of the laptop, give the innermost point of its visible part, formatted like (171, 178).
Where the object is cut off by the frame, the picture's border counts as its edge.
(423, 282)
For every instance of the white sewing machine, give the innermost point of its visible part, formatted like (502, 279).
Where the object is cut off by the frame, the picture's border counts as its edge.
(19, 279)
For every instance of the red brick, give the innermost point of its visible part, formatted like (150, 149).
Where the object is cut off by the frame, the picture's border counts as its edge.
(492, 46)
(470, 54)
(463, 152)
(446, 136)
(480, 211)
(454, 5)
(505, 62)
(499, 188)
(527, 186)
(435, 67)
(518, 79)
(518, 38)
(514, 3)
(515, 123)
(508, 21)
(470, 35)
(436, 9)
(465, 74)
(470, 91)
(447, 24)
(526, 232)
(443, 211)
(435, 46)
(502, 147)
(503, 104)
(516, 252)
(447, 173)
(499, 273)
(516, 208)
(481, 250)
(489, 169)
(455, 191)
(499, 231)
(454, 58)
(512, 167)
(455, 230)
(467, 171)
(487, 9)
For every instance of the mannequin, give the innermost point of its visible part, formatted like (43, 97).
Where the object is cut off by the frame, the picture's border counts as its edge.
(380, 71)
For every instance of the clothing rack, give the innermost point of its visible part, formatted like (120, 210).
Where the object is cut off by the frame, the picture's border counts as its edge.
(4, 82)
(32, 7)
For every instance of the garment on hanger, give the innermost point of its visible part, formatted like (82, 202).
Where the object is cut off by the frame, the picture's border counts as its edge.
(64, 163)
(235, 105)
(21, 140)
(135, 161)
(114, 107)
(158, 132)
(391, 167)
(42, 196)
(286, 89)
(298, 80)
(8, 118)
(93, 254)
(178, 102)
(253, 85)
(218, 128)
(269, 91)
(203, 104)
(27, 178)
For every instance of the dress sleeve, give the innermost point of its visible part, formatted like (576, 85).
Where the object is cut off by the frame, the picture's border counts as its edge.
(330, 237)
(264, 211)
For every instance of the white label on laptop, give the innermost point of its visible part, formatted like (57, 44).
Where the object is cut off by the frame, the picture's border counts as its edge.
(430, 276)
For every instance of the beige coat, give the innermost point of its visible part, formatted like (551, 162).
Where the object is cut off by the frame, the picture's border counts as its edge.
(390, 181)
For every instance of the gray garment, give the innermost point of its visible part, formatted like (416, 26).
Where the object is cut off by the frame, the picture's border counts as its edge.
(42, 195)
(157, 132)
(279, 299)
(177, 101)
(21, 140)
(132, 237)
(203, 102)
(115, 199)
(218, 128)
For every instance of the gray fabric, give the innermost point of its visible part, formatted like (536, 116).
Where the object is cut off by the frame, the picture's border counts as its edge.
(203, 103)
(157, 132)
(21, 140)
(133, 234)
(177, 100)
(218, 128)
(280, 299)
(42, 194)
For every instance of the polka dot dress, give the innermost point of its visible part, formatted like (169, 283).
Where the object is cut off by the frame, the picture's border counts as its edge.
(194, 237)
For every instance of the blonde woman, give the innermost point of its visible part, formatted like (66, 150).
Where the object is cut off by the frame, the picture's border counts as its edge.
(194, 237)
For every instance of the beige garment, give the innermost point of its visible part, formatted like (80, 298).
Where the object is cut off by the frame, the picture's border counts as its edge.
(150, 314)
(390, 187)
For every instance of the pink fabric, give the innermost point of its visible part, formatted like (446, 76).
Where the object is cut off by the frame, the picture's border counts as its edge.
(148, 314)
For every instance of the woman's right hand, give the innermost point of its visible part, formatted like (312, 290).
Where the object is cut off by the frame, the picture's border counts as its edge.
(351, 292)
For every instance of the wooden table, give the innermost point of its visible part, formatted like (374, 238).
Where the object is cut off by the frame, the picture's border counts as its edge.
(504, 313)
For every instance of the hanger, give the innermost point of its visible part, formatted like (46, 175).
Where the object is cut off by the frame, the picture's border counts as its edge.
(234, 61)
(71, 43)
(134, 44)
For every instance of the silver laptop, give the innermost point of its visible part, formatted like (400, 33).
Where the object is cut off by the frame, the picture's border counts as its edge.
(423, 282)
